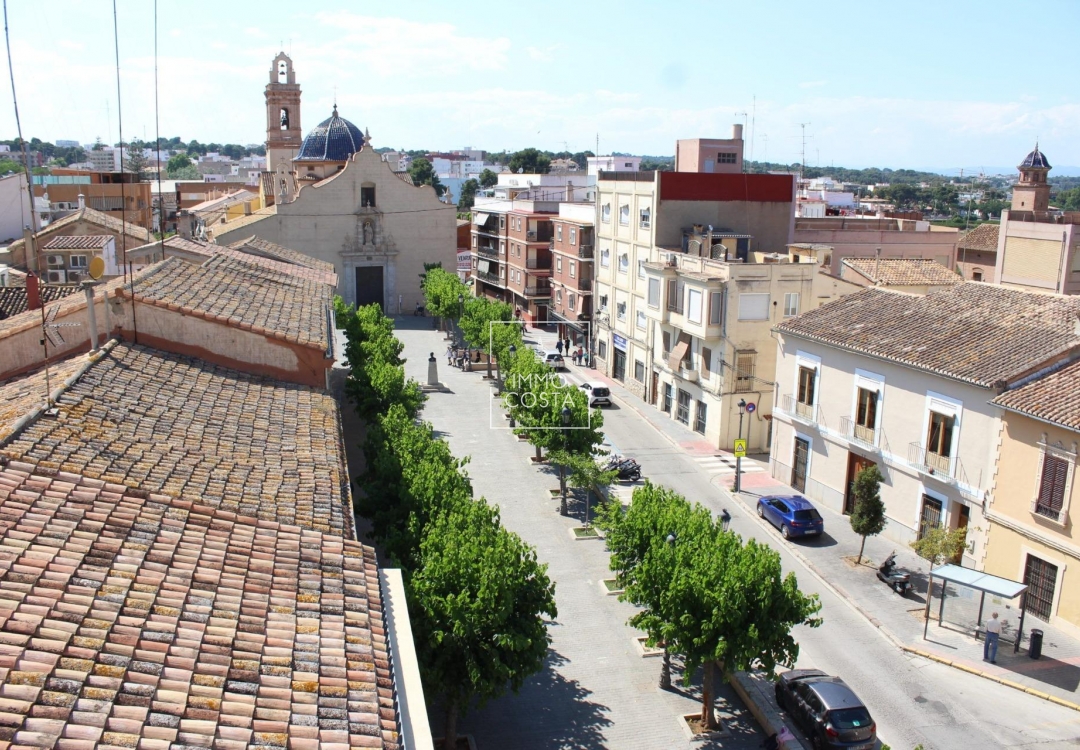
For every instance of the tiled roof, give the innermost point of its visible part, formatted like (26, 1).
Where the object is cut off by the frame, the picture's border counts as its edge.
(902, 271)
(67, 305)
(134, 232)
(167, 423)
(978, 333)
(983, 237)
(259, 246)
(243, 221)
(130, 619)
(333, 139)
(316, 270)
(19, 396)
(79, 242)
(13, 298)
(241, 294)
(1054, 397)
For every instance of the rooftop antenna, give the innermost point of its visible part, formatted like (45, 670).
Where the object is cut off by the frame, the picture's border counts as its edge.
(18, 126)
(802, 170)
(753, 125)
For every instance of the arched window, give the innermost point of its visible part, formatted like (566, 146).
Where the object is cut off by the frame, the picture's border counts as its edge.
(284, 115)
(283, 72)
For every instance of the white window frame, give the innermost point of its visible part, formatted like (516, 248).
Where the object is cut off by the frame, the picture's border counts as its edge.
(558, 296)
(870, 381)
(1057, 450)
(951, 407)
(620, 310)
(573, 235)
(694, 314)
(558, 264)
(571, 301)
(811, 362)
(790, 311)
(641, 269)
(573, 269)
(605, 213)
(642, 322)
(795, 434)
(624, 215)
(645, 217)
(624, 267)
(558, 232)
(654, 293)
(716, 308)
(605, 257)
(73, 264)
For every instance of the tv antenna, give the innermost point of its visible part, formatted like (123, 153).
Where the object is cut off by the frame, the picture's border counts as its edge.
(50, 331)
(802, 171)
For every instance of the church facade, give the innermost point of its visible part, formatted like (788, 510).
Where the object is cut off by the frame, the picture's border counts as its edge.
(335, 199)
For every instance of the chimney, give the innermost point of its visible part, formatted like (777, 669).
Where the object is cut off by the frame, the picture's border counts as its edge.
(183, 225)
(82, 201)
(33, 294)
(736, 132)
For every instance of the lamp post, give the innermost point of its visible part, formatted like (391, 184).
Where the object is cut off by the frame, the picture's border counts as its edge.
(738, 459)
(565, 415)
(512, 351)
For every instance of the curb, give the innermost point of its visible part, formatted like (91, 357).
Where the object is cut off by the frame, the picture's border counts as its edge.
(769, 718)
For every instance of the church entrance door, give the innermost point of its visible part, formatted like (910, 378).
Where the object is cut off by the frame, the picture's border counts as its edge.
(369, 285)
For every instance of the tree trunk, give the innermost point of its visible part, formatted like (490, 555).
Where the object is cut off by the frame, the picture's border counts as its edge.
(539, 455)
(665, 670)
(861, 548)
(708, 719)
(562, 489)
(450, 727)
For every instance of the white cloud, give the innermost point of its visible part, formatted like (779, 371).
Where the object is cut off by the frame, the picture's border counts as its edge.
(543, 54)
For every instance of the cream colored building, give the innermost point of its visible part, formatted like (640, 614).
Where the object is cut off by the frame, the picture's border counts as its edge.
(1032, 536)
(905, 382)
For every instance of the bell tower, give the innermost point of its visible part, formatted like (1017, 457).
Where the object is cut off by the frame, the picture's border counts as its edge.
(1032, 192)
(283, 134)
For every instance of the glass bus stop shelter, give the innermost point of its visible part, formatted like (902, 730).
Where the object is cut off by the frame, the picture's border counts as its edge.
(975, 580)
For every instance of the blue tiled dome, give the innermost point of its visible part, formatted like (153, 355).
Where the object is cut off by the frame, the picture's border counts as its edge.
(334, 139)
(1035, 159)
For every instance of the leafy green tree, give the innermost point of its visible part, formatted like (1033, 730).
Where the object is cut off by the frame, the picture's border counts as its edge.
(868, 517)
(478, 604)
(580, 471)
(185, 173)
(444, 293)
(468, 195)
(530, 161)
(487, 325)
(98, 145)
(581, 158)
(423, 173)
(9, 165)
(537, 407)
(135, 163)
(1067, 200)
(939, 545)
(488, 179)
(178, 162)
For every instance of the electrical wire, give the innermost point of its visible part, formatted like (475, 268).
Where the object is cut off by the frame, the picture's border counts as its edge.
(128, 275)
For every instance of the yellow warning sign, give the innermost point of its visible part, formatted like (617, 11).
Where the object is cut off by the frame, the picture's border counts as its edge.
(740, 448)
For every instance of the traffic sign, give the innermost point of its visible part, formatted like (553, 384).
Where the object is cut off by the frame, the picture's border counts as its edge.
(750, 407)
(740, 448)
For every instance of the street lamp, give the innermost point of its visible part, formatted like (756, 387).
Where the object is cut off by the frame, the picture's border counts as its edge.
(565, 414)
(512, 351)
(738, 459)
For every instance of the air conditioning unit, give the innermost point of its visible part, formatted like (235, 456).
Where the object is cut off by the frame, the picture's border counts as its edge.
(673, 260)
(74, 277)
(57, 277)
(57, 260)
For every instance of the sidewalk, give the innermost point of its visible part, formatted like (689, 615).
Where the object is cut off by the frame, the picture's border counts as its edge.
(1055, 676)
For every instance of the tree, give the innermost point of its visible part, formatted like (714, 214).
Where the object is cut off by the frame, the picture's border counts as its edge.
(423, 173)
(868, 517)
(581, 471)
(488, 325)
(178, 162)
(135, 163)
(939, 545)
(488, 179)
(185, 173)
(536, 403)
(9, 165)
(478, 604)
(468, 195)
(581, 158)
(530, 161)
(442, 291)
(98, 145)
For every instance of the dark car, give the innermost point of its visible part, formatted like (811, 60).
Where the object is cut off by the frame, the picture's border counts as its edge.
(828, 710)
(794, 515)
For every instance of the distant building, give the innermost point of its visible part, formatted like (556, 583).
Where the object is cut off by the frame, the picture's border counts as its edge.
(611, 163)
(711, 155)
(107, 159)
(67, 144)
(15, 213)
(853, 237)
(976, 253)
(911, 275)
(118, 194)
(67, 258)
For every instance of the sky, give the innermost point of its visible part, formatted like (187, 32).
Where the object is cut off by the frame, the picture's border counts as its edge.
(944, 85)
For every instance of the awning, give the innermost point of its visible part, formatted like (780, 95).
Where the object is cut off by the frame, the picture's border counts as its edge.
(980, 581)
(678, 354)
(483, 266)
(481, 217)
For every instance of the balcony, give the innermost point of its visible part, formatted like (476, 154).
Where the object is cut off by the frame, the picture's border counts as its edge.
(928, 462)
(585, 251)
(490, 278)
(487, 252)
(690, 376)
(858, 434)
(538, 290)
(582, 285)
(807, 413)
(538, 264)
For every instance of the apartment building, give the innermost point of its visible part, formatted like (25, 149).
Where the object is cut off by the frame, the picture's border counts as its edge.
(488, 249)
(529, 233)
(572, 250)
(711, 155)
(67, 258)
(905, 382)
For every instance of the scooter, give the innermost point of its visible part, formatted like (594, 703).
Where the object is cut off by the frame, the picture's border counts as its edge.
(627, 468)
(897, 579)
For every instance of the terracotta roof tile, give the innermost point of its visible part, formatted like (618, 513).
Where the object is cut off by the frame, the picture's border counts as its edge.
(902, 271)
(19, 396)
(172, 424)
(134, 232)
(79, 242)
(978, 333)
(259, 246)
(67, 304)
(983, 237)
(316, 271)
(1054, 397)
(13, 298)
(246, 294)
(130, 619)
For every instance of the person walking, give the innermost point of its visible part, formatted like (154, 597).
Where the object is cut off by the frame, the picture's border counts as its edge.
(993, 634)
(566, 345)
(558, 345)
(449, 354)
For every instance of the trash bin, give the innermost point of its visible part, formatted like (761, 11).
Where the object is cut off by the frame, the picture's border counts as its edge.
(1035, 644)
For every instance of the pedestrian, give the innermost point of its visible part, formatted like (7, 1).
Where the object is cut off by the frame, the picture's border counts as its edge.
(993, 633)
(566, 346)
(580, 356)
(449, 355)
(558, 345)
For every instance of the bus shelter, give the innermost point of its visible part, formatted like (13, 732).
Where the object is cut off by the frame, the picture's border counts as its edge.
(961, 604)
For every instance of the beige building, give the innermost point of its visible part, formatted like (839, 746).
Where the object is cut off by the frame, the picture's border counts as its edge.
(711, 155)
(1038, 249)
(342, 204)
(1032, 537)
(904, 382)
(872, 238)
(976, 253)
(83, 222)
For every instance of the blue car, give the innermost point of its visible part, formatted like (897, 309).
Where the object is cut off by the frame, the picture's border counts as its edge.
(792, 514)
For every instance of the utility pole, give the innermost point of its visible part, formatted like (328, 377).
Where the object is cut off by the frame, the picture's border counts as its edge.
(802, 171)
(744, 115)
(753, 126)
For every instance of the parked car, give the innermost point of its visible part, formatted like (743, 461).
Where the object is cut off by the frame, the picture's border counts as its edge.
(553, 360)
(598, 394)
(826, 709)
(794, 515)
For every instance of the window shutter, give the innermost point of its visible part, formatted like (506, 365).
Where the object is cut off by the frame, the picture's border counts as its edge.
(667, 343)
(1052, 486)
(706, 358)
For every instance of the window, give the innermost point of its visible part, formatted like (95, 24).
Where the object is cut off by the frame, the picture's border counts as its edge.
(1041, 578)
(939, 441)
(976, 275)
(78, 261)
(699, 417)
(573, 268)
(641, 323)
(654, 293)
(605, 257)
(804, 402)
(558, 263)
(716, 308)
(639, 371)
(367, 196)
(605, 213)
(693, 305)
(706, 362)
(601, 350)
(682, 410)
(624, 214)
(666, 343)
(558, 232)
(791, 304)
(502, 222)
(931, 515)
(573, 235)
(474, 240)
(667, 398)
(603, 301)
(573, 300)
(502, 247)
(644, 218)
(620, 310)
(1052, 484)
(744, 371)
(641, 269)
(558, 295)
(753, 307)
(624, 262)
(675, 296)
(800, 464)
(726, 158)
(628, 164)
(866, 415)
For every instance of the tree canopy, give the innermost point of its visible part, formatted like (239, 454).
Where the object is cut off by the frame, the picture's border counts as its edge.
(488, 178)
(868, 516)
(423, 173)
(530, 161)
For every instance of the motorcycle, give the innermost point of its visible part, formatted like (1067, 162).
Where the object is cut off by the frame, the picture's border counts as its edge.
(899, 580)
(627, 468)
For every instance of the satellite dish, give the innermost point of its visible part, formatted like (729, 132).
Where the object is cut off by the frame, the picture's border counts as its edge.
(97, 267)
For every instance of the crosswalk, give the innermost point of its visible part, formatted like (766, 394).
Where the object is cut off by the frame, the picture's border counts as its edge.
(718, 465)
